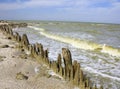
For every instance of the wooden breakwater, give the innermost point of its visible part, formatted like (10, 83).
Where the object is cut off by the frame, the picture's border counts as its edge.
(71, 71)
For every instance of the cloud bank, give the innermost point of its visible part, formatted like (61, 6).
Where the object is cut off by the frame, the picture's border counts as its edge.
(82, 10)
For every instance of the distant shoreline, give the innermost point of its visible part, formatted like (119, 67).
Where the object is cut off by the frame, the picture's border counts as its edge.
(65, 21)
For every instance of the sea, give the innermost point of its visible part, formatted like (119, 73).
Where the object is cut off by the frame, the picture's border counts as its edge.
(96, 46)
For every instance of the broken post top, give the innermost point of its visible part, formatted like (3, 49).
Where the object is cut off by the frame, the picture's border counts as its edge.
(67, 57)
(25, 40)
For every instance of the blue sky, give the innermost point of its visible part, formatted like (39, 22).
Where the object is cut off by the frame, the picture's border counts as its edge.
(107, 11)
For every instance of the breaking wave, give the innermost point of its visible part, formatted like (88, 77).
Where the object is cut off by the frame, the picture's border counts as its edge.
(36, 28)
(81, 44)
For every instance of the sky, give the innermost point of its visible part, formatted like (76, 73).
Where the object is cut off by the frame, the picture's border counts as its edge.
(106, 11)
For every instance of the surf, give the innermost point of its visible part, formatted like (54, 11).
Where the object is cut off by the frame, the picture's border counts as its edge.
(80, 44)
(36, 28)
(89, 69)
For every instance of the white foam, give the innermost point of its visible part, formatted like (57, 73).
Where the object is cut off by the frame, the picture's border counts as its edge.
(74, 42)
(36, 28)
(37, 69)
(51, 72)
(82, 44)
(89, 69)
(76, 88)
(110, 50)
(15, 28)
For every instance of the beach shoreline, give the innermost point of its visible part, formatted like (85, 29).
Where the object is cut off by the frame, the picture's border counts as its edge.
(64, 72)
(14, 62)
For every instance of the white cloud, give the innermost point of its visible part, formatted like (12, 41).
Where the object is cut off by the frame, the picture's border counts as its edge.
(32, 3)
(43, 3)
(47, 3)
(72, 9)
(11, 6)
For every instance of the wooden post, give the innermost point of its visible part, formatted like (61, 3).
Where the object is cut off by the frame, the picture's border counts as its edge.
(67, 61)
(25, 40)
(17, 37)
(87, 82)
(77, 75)
(40, 49)
(101, 87)
(59, 62)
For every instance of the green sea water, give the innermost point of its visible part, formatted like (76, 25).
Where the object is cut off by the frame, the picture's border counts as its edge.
(95, 45)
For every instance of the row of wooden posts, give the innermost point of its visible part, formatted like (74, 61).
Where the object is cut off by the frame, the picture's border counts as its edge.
(71, 71)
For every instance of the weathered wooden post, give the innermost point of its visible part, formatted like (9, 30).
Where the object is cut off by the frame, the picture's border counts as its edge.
(81, 76)
(17, 37)
(40, 51)
(5, 27)
(31, 50)
(34, 51)
(59, 62)
(10, 31)
(25, 41)
(95, 87)
(101, 87)
(87, 82)
(67, 61)
(77, 74)
(45, 55)
(54, 66)
(73, 70)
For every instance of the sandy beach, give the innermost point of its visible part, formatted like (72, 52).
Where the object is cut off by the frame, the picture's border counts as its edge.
(17, 70)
